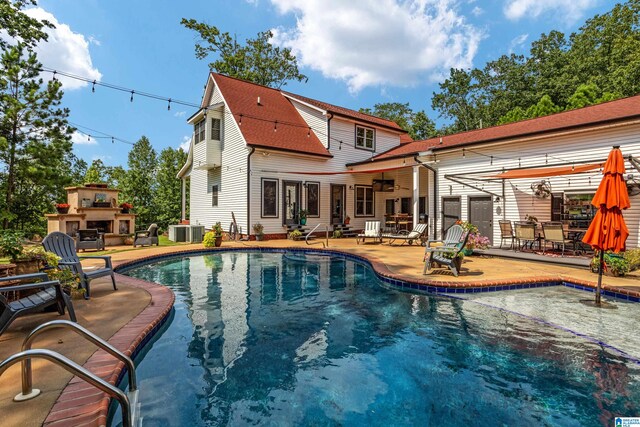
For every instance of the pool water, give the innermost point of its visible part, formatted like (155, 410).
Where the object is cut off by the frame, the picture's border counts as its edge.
(274, 339)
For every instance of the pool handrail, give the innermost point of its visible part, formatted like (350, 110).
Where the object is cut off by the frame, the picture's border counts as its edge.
(326, 228)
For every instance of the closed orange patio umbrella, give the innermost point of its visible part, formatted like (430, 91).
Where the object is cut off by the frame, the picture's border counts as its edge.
(608, 231)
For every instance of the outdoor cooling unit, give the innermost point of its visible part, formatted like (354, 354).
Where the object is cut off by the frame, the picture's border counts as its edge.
(186, 233)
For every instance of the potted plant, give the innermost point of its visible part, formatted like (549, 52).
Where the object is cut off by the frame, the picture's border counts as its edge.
(258, 231)
(531, 219)
(213, 237)
(62, 208)
(337, 234)
(476, 241)
(69, 280)
(303, 216)
(125, 207)
(295, 234)
(614, 264)
(347, 220)
(128, 240)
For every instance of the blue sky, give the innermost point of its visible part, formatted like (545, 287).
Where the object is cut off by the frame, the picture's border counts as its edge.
(356, 53)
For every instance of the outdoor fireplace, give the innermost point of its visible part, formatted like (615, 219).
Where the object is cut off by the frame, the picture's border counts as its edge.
(101, 226)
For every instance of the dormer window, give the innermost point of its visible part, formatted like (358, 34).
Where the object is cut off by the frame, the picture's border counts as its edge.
(365, 138)
(199, 131)
(215, 129)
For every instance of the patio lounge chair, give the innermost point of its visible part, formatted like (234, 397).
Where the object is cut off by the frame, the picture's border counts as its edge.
(525, 233)
(63, 246)
(50, 292)
(447, 255)
(89, 239)
(553, 233)
(419, 233)
(506, 233)
(371, 231)
(148, 237)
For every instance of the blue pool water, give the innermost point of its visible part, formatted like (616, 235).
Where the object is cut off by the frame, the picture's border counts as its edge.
(272, 339)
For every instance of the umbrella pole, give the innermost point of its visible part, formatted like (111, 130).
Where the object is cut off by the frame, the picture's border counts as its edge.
(600, 277)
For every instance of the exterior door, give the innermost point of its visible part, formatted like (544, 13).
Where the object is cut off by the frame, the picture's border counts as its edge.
(481, 215)
(291, 200)
(337, 203)
(450, 213)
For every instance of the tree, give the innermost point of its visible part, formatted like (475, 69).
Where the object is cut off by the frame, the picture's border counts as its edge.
(139, 183)
(34, 138)
(422, 127)
(169, 188)
(460, 100)
(97, 172)
(19, 26)
(258, 61)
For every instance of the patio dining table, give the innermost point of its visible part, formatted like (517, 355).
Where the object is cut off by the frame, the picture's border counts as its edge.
(398, 221)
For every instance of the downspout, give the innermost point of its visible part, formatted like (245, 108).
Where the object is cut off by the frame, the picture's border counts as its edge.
(435, 195)
(329, 130)
(253, 149)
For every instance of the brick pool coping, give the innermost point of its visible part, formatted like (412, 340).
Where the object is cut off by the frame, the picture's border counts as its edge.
(82, 404)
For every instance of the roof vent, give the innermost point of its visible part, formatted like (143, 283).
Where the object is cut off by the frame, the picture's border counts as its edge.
(259, 101)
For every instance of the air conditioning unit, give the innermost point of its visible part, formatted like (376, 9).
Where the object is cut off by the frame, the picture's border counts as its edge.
(195, 233)
(178, 233)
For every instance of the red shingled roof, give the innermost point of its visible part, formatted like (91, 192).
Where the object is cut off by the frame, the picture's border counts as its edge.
(257, 127)
(345, 112)
(611, 111)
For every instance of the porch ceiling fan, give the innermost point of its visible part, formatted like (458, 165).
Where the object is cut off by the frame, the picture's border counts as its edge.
(633, 186)
(541, 189)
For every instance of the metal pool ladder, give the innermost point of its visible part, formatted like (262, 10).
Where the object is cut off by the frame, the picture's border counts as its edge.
(326, 229)
(129, 401)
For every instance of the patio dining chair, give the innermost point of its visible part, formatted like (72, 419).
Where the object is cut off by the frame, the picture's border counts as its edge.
(371, 231)
(525, 233)
(553, 233)
(506, 233)
(63, 245)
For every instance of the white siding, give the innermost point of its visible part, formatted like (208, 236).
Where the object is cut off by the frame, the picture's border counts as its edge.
(231, 176)
(519, 199)
(316, 120)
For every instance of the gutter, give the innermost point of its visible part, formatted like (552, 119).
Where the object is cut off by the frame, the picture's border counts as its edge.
(435, 193)
(253, 150)
(330, 115)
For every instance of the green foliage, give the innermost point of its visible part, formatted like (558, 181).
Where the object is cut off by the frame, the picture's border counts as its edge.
(257, 61)
(96, 173)
(168, 197)
(258, 229)
(11, 242)
(69, 280)
(19, 25)
(337, 234)
(419, 125)
(139, 183)
(599, 62)
(295, 234)
(633, 258)
(35, 141)
(217, 229)
(37, 252)
(615, 264)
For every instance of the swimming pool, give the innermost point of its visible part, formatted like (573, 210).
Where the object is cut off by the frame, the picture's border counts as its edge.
(298, 339)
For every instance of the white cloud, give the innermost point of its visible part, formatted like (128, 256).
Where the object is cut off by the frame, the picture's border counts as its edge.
(179, 114)
(186, 143)
(65, 51)
(378, 42)
(477, 11)
(570, 9)
(81, 139)
(518, 42)
(95, 41)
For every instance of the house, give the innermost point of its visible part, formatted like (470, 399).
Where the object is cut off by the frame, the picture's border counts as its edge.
(265, 154)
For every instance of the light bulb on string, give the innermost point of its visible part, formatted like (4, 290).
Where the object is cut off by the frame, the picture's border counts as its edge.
(491, 160)
(169, 105)
(309, 133)
(54, 75)
(132, 92)
(240, 121)
(113, 140)
(340, 146)
(519, 163)
(463, 154)
(275, 126)
(93, 86)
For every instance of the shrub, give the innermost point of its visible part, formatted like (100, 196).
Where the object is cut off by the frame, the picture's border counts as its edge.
(295, 234)
(337, 234)
(633, 257)
(615, 264)
(209, 240)
(37, 252)
(68, 279)
(11, 242)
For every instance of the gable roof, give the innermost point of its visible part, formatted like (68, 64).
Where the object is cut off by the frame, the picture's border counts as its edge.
(607, 112)
(345, 112)
(256, 121)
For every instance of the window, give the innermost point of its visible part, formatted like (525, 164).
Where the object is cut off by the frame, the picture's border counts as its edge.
(313, 199)
(215, 129)
(364, 200)
(405, 205)
(390, 207)
(269, 198)
(214, 196)
(198, 129)
(365, 138)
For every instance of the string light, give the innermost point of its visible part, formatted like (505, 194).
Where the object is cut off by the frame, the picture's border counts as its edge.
(519, 163)
(93, 87)
(340, 146)
(240, 121)
(54, 76)
(491, 160)
(275, 126)
(309, 132)
(169, 105)
(132, 92)
(463, 154)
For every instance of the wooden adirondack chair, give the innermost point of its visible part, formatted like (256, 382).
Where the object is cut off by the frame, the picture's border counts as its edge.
(371, 231)
(447, 253)
(50, 293)
(63, 246)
